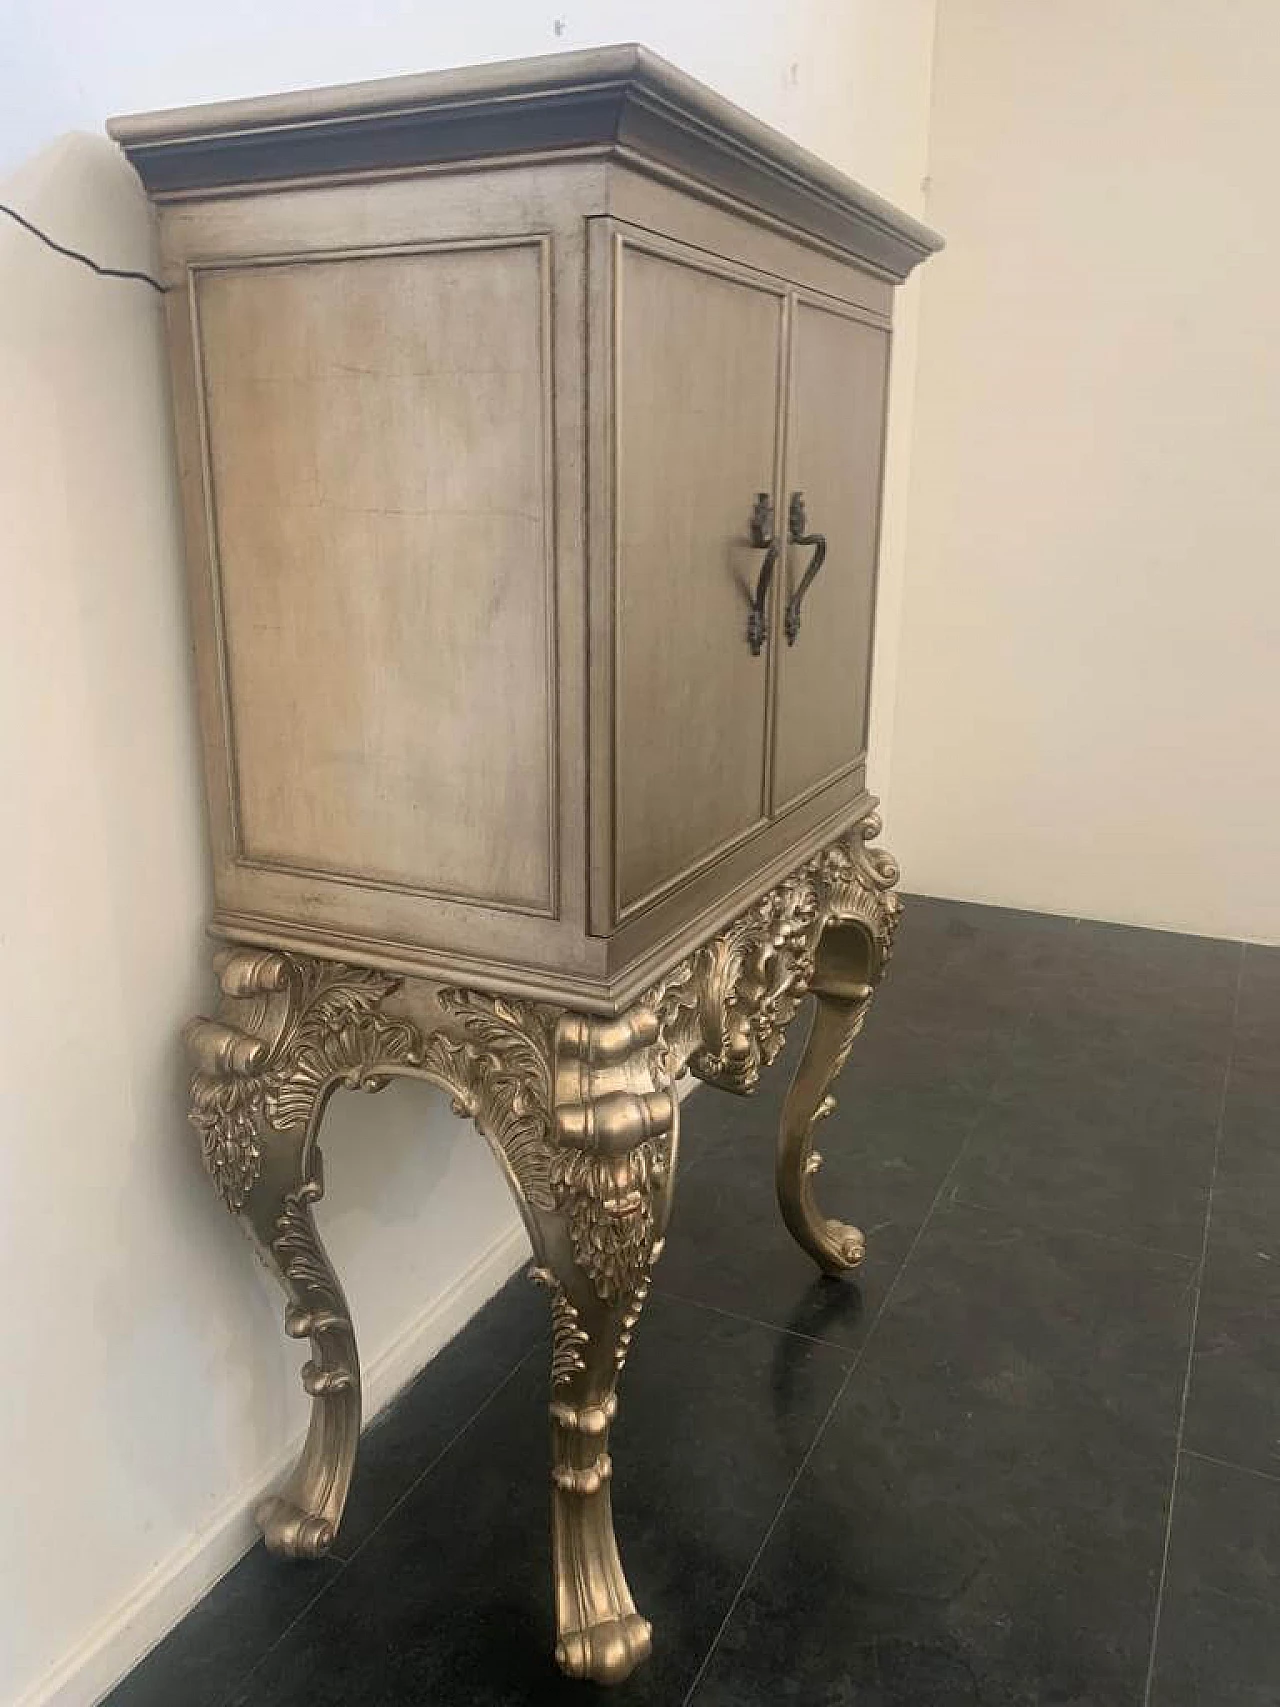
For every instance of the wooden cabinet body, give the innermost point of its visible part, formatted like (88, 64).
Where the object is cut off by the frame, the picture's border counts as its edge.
(471, 427)
(530, 423)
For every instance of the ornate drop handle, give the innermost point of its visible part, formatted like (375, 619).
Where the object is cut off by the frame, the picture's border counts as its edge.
(762, 535)
(797, 522)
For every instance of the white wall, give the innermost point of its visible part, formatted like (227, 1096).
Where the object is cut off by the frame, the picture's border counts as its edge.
(1089, 698)
(149, 1389)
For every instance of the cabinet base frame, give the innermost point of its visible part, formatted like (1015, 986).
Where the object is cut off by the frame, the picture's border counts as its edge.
(582, 1116)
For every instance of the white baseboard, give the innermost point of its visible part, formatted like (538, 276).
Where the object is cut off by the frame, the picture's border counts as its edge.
(116, 1644)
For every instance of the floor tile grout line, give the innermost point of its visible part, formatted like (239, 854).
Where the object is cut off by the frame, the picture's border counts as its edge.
(773, 1524)
(970, 1130)
(1179, 1450)
(858, 1355)
(987, 1100)
(236, 1692)
(344, 1563)
(448, 1447)
(860, 1351)
(1230, 1464)
(753, 1321)
(1074, 1232)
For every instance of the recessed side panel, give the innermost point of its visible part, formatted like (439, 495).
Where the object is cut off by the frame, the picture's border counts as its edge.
(698, 356)
(376, 434)
(835, 439)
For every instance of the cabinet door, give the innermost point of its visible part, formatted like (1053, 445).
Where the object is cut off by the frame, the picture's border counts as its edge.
(697, 365)
(839, 372)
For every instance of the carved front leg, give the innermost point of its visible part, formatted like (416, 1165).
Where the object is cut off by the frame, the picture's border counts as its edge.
(612, 1171)
(859, 915)
(291, 1030)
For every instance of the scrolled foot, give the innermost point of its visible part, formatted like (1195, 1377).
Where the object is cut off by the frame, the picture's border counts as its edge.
(842, 1247)
(834, 1245)
(607, 1652)
(599, 1633)
(290, 1531)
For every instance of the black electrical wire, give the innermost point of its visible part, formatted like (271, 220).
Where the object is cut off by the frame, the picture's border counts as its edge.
(76, 255)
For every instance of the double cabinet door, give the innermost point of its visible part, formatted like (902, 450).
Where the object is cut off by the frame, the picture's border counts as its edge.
(748, 439)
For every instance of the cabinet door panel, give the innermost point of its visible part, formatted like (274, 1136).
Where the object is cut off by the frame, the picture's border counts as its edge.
(839, 371)
(378, 478)
(698, 361)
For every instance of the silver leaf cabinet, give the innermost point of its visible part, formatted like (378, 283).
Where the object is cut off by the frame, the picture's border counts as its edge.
(530, 425)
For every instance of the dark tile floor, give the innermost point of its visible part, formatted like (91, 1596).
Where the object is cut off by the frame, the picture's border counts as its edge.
(1031, 1456)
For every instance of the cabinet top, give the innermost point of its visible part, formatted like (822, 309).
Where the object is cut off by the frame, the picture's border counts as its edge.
(620, 102)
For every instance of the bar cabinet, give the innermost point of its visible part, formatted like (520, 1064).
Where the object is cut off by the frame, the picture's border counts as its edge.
(530, 427)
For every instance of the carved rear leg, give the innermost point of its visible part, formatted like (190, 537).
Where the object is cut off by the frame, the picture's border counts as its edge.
(290, 1031)
(302, 1518)
(833, 1245)
(860, 915)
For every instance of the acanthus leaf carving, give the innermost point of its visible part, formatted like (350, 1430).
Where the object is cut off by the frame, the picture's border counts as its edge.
(582, 1112)
(501, 1077)
(568, 1336)
(610, 1205)
(304, 1025)
(226, 1113)
(724, 1010)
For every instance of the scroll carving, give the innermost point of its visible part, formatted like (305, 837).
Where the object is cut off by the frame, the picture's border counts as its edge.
(724, 1011)
(581, 1112)
(499, 1073)
(305, 1025)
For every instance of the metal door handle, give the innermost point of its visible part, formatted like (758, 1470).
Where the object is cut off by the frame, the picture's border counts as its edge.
(797, 523)
(762, 535)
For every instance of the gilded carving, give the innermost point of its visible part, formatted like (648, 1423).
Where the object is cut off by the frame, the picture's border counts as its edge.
(860, 915)
(631, 1315)
(724, 1011)
(329, 1030)
(582, 1112)
(568, 1336)
(500, 1075)
(295, 1247)
(609, 1201)
(226, 1113)
(858, 881)
(612, 1157)
(339, 1037)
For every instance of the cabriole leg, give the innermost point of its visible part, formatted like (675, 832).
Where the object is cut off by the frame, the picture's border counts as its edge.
(290, 1031)
(843, 997)
(302, 1519)
(612, 1172)
(849, 961)
(583, 1119)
